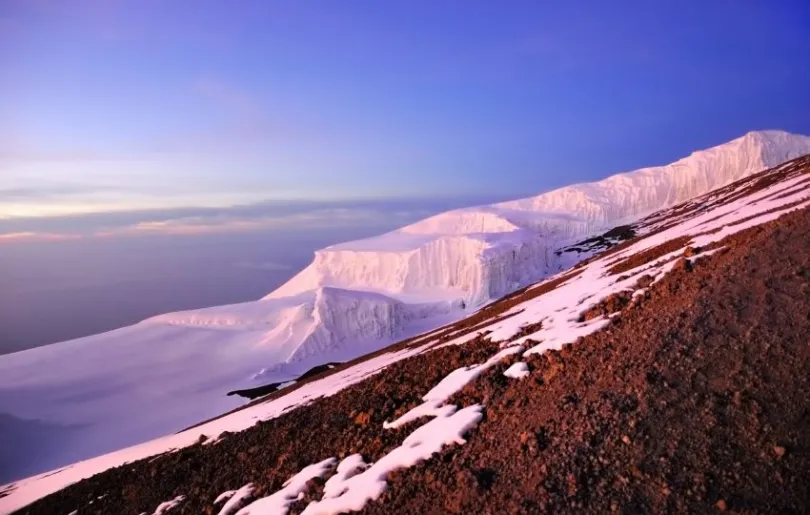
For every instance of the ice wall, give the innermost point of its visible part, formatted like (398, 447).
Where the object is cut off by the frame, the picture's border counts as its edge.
(484, 252)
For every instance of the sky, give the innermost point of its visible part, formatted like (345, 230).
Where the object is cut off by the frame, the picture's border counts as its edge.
(154, 124)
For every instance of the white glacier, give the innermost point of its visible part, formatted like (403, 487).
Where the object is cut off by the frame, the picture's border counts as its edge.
(119, 388)
(487, 251)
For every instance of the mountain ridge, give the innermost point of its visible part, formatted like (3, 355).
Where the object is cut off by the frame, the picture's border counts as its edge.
(103, 383)
(584, 384)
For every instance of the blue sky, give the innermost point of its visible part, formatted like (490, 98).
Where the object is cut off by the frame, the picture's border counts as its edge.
(148, 105)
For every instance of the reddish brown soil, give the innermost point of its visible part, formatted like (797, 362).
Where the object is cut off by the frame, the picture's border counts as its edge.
(648, 256)
(607, 306)
(695, 399)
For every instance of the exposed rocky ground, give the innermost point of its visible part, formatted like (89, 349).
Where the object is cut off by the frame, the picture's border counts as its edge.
(694, 399)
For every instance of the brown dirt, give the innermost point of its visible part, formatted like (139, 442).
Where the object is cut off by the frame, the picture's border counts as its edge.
(607, 306)
(648, 256)
(526, 330)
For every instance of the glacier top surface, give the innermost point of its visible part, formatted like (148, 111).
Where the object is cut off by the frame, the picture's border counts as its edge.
(630, 194)
(399, 261)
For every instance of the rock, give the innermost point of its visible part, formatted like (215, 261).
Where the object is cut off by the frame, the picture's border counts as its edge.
(682, 264)
(362, 419)
(644, 281)
(552, 371)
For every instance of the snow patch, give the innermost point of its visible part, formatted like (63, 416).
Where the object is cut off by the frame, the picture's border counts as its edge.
(352, 490)
(357, 482)
(279, 503)
(165, 507)
(518, 370)
(235, 498)
(450, 384)
(459, 378)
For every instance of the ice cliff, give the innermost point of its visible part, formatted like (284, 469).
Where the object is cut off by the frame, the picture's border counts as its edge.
(484, 252)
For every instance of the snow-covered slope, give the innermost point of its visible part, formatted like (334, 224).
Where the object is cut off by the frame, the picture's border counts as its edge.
(544, 316)
(80, 398)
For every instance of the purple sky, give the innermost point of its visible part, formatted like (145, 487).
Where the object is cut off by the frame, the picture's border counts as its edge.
(156, 126)
(116, 105)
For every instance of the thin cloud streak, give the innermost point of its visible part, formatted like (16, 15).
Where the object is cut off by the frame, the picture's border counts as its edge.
(17, 237)
(317, 219)
(384, 214)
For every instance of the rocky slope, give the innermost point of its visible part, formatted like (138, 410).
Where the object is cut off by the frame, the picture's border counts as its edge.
(668, 373)
(93, 395)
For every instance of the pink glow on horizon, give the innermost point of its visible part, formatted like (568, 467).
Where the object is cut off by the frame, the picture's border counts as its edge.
(15, 237)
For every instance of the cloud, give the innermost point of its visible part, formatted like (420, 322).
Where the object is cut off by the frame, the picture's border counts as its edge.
(374, 215)
(319, 218)
(17, 237)
(41, 193)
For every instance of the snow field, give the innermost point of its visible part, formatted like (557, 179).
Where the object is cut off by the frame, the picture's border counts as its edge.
(518, 370)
